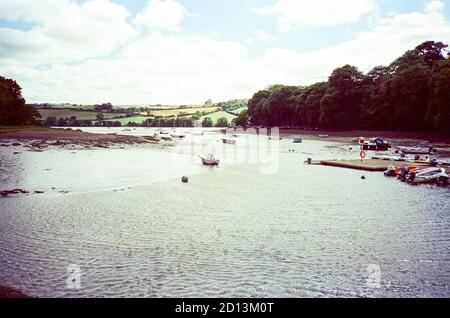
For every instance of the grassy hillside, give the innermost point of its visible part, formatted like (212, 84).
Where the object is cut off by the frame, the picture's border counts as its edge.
(215, 116)
(182, 112)
(81, 115)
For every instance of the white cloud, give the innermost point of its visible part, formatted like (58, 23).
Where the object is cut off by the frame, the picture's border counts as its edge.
(162, 14)
(181, 68)
(62, 30)
(261, 36)
(295, 14)
(434, 6)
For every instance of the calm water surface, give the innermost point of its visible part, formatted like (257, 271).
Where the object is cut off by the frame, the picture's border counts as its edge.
(273, 227)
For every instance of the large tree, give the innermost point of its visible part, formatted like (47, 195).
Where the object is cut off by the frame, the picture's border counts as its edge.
(341, 103)
(438, 115)
(13, 110)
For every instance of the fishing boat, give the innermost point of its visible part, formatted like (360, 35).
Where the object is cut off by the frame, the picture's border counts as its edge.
(209, 160)
(428, 175)
(323, 136)
(298, 140)
(229, 141)
(415, 150)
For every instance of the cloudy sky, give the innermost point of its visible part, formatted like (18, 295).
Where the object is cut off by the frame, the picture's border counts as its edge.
(187, 51)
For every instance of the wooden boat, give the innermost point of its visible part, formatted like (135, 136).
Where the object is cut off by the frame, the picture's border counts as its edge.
(298, 140)
(209, 160)
(229, 141)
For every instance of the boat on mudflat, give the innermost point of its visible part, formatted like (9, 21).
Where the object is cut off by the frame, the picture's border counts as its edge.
(376, 144)
(229, 141)
(415, 150)
(177, 135)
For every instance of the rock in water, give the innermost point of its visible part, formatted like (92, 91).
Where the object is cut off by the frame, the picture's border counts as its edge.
(185, 179)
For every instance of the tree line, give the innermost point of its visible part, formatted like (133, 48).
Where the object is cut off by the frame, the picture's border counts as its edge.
(410, 94)
(150, 122)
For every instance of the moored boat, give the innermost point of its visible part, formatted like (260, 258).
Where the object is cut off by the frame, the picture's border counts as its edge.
(177, 135)
(209, 160)
(428, 175)
(390, 172)
(376, 144)
(415, 150)
(298, 140)
(229, 141)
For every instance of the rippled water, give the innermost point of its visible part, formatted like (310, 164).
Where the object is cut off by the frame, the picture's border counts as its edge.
(238, 230)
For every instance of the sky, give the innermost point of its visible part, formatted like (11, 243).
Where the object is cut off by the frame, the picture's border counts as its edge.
(188, 51)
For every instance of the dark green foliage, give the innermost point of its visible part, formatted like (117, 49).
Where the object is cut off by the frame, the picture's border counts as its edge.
(412, 93)
(207, 122)
(13, 110)
(222, 122)
(242, 119)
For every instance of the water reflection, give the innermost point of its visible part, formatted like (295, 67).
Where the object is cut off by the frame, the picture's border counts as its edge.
(136, 231)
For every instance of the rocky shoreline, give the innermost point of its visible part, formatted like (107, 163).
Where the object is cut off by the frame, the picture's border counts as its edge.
(8, 292)
(64, 138)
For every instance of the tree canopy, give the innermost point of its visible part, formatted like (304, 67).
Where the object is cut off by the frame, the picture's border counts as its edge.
(412, 93)
(13, 110)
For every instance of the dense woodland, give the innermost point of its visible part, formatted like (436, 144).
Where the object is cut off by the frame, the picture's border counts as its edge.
(411, 94)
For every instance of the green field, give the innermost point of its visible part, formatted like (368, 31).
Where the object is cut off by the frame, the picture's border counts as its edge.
(239, 110)
(215, 116)
(81, 115)
(136, 119)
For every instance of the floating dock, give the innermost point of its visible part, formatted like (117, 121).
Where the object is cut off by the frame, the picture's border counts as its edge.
(372, 164)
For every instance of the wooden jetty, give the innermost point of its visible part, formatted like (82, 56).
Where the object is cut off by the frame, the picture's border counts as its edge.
(372, 164)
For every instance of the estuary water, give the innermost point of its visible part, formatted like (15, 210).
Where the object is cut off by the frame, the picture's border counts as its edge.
(262, 224)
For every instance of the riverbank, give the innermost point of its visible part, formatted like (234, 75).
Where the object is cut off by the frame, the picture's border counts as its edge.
(348, 136)
(7, 292)
(39, 138)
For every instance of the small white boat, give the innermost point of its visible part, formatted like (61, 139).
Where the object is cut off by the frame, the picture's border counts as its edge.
(177, 135)
(229, 141)
(415, 150)
(323, 136)
(429, 175)
(209, 160)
